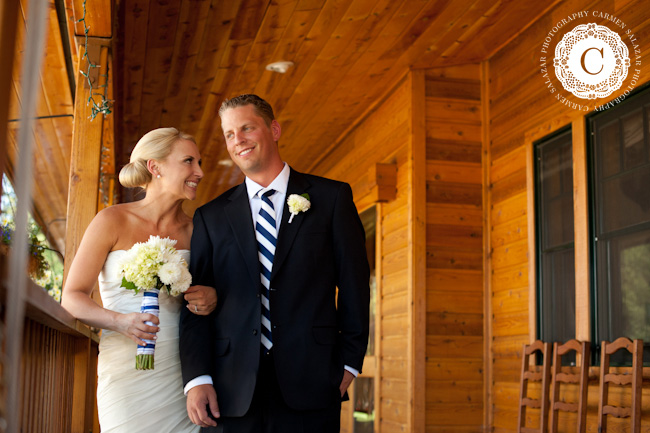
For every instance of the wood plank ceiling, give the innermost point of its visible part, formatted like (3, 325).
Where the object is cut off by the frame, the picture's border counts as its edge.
(174, 61)
(182, 58)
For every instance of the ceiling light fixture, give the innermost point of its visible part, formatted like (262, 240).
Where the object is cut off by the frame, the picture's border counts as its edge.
(280, 67)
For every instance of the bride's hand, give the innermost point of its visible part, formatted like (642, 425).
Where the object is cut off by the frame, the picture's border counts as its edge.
(201, 300)
(133, 326)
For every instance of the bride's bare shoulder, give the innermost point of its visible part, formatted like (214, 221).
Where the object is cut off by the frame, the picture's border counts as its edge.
(115, 216)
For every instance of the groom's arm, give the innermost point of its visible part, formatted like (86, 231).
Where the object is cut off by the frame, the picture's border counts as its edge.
(353, 275)
(195, 334)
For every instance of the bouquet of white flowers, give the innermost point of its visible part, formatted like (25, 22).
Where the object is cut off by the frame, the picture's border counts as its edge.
(151, 266)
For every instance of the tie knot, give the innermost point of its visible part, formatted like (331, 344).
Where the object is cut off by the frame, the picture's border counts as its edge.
(266, 193)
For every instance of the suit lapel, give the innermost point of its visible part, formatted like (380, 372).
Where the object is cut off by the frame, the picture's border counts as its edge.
(297, 185)
(241, 223)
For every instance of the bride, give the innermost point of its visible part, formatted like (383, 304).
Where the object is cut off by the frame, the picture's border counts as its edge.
(166, 163)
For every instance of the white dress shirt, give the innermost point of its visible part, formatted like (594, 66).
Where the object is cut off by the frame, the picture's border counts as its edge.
(279, 184)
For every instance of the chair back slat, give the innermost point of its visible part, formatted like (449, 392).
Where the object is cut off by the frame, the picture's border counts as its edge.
(618, 412)
(619, 379)
(567, 378)
(566, 407)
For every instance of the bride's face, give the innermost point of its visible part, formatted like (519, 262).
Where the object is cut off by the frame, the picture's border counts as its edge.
(181, 170)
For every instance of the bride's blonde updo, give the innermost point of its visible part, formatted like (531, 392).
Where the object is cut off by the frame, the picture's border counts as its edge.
(156, 144)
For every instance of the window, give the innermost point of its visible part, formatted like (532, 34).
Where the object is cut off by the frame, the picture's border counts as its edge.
(555, 239)
(362, 391)
(45, 263)
(620, 220)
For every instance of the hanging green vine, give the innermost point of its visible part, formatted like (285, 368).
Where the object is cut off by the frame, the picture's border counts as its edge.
(102, 105)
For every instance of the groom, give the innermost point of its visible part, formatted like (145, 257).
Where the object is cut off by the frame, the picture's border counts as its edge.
(282, 346)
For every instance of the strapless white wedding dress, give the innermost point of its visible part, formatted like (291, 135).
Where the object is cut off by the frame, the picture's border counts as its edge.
(139, 401)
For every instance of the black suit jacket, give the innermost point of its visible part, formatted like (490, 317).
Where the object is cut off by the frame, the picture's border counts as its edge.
(314, 334)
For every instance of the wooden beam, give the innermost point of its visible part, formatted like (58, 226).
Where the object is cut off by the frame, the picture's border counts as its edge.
(385, 182)
(531, 250)
(581, 230)
(417, 209)
(108, 178)
(98, 18)
(379, 308)
(83, 367)
(8, 27)
(84, 162)
(487, 246)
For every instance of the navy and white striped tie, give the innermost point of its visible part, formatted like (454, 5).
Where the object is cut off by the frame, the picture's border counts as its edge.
(267, 235)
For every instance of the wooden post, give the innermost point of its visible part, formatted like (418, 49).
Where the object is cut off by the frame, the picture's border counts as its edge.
(83, 386)
(84, 161)
(581, 236)
(82, 207)
(487, 247)
(417, 208)
(379, 275)
(8, 27)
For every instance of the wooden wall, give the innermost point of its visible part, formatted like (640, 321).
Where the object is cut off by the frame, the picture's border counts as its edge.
(454, 251)
(430, 274)
(382, 136)
(521, 110)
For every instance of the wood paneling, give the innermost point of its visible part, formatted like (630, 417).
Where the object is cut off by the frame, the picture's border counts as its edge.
(51, 136)
(523, 110)
(454, 239)
(84, 176)
(181, 58)
(8, 24)
(351, 161)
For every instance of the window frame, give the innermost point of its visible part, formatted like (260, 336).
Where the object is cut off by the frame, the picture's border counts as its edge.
(585, 302)
(538, 211)
(637, 100)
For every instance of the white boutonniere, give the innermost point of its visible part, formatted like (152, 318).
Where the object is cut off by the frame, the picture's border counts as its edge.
(298, 203)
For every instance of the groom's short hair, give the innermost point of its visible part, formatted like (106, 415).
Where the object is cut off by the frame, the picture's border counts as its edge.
(262, 108)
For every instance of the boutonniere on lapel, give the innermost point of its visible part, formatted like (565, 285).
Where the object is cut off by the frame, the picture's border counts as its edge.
(298, 203)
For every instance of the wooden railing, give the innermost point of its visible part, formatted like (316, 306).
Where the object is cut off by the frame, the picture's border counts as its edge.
(58, 367)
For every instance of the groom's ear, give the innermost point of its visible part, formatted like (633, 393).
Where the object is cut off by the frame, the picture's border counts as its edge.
(276, 130)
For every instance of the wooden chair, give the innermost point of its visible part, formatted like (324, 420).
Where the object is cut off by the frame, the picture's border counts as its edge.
(581, 379)
(634, 378)
(542, 377)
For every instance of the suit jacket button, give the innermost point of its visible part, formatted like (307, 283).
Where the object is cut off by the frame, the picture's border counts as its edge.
(254, 331)
(258, 295)
(275, 326)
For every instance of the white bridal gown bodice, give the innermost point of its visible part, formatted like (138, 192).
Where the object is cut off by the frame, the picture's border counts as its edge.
(131, 400)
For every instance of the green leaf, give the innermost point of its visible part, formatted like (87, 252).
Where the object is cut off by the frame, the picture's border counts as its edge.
(128, 285)
(306, 196)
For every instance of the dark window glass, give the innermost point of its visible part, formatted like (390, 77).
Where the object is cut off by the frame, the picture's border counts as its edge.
(369, 220)
(364, 404)
(620, 199)
(555, 241)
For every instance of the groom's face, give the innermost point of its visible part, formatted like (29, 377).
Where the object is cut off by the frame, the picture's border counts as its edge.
(251, 143)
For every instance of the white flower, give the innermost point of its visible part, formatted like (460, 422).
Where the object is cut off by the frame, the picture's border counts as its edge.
(183, 283)
(55, 292)
(169, 273)
(298, 203)
(155, 264)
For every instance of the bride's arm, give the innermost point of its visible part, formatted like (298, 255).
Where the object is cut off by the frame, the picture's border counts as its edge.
(97, 242)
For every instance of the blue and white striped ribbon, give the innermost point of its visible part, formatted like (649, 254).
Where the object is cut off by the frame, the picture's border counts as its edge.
(149, 305)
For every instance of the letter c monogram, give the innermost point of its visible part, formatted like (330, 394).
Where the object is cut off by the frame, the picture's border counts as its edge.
(582, 60)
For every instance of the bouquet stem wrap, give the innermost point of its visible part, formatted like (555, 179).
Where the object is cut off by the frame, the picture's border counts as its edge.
(145, 354)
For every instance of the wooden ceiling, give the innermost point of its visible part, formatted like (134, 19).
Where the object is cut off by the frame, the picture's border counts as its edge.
(174, 61)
